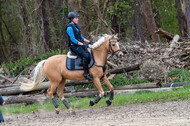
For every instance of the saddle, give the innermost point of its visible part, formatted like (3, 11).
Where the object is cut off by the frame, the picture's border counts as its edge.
(74, 62)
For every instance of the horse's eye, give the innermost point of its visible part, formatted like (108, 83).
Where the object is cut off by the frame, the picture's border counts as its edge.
(113, 44)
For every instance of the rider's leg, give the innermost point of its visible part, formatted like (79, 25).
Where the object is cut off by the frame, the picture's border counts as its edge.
(86, 71)
(85, 55)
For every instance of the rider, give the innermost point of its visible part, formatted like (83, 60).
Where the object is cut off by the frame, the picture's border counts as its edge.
(78, 43)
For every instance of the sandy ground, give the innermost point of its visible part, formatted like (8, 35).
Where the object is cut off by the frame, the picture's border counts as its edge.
(150, 114)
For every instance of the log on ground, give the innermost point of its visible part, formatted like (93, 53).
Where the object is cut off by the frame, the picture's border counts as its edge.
(125, 69)
(138, 86)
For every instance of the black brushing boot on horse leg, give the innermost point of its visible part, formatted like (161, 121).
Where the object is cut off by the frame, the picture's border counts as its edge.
(68, 106)
(109, 101)
(97, 99)
(55, 105)
(86, 71)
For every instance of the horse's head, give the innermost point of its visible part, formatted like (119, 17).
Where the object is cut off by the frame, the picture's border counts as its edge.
(114, 46)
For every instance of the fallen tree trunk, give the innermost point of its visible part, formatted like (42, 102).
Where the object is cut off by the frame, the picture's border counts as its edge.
(166, 34)
(177, 84)
(44, 85)
(138, 86)
(26, 99)
(123, 70)
(17, 90)
(40, 98)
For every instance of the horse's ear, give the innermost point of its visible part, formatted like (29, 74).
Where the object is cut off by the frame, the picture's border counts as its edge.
(112, 36)
(115, 36)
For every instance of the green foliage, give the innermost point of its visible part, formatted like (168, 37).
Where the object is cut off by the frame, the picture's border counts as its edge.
(179, 75)
(165, 15)
(121, 79)
(18, 66)
(121, 8)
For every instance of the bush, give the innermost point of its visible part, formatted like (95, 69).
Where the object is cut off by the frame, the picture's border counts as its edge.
(179, 75)
(17, 67)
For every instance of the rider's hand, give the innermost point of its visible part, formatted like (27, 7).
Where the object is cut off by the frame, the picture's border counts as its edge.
(85, 45)
(91, 42)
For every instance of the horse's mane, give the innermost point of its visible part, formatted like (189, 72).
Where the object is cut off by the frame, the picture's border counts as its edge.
(100, 41)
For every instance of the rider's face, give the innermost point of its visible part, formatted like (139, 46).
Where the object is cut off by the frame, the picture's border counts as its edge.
(76, 20)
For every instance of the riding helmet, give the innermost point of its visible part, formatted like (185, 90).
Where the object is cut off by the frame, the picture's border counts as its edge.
(72, 15)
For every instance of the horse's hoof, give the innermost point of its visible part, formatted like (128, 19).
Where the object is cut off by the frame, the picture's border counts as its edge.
(91, 103)
(72, 112)
(108, 102)
(56, 111)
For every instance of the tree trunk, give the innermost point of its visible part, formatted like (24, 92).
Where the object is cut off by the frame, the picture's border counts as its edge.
(188, 16)
(180, 5)
(44, 24)
(149, 18)
(47, 35)
(3, 48)
(52, 10)
(61, 7)
(139, 22)
(27, 37)
(114, 18)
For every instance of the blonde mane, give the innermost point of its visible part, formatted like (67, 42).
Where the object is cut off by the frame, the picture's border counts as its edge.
(99, 42)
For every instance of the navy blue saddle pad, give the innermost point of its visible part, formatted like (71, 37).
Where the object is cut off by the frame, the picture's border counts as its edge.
(77, 64)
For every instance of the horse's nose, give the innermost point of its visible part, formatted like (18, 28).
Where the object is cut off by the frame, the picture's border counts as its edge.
(120, 55)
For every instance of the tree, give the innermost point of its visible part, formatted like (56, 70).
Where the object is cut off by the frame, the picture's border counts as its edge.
(149, 18)
(182, 19)
(188, 16)
(139, 22)
(44, 24)
(27, 37)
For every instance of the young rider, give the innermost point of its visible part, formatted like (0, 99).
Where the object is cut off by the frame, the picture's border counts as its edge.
(78, 44)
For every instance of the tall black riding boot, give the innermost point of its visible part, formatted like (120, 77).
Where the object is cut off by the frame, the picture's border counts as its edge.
(86, 71)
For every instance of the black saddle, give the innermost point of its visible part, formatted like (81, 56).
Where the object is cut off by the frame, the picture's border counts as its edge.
(75, 62)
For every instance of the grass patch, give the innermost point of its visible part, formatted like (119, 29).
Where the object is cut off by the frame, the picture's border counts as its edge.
(177, 94)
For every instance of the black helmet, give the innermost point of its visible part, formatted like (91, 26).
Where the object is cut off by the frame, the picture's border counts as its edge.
(72, 15)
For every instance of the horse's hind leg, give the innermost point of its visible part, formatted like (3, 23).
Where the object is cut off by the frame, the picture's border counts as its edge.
(111, 94)
(50, 92)
(60, 91)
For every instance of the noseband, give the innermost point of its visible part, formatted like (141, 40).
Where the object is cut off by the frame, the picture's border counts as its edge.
(110, 47)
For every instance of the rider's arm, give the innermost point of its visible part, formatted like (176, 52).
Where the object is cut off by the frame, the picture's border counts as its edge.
(70, 32)
(87, 41)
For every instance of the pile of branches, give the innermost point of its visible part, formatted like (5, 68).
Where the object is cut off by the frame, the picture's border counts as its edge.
(156, 59)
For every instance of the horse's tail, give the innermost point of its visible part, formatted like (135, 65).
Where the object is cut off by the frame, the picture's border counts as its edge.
(38, 76)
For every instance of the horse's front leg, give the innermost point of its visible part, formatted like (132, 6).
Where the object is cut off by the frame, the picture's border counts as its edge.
(111, 94)
(98, 85)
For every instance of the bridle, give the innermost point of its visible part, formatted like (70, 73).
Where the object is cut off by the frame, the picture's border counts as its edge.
(113, 52)
(110, 47)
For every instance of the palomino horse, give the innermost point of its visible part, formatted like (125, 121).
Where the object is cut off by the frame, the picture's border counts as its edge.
(55, 69)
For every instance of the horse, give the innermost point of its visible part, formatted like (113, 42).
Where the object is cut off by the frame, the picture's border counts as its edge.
(54, 68)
